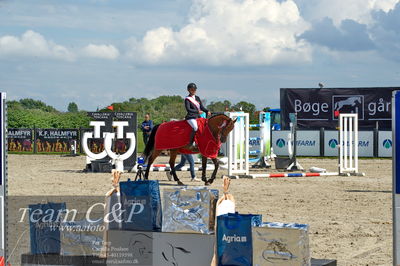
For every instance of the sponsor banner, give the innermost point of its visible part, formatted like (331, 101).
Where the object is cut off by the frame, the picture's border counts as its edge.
(254, 144)
(316, 108)
(20, 139)
(265, 119)
(124, 127)
(279, 142)
(365, 143)
(331, 143)
(308, 143)
(385, 144)
(56, 140)
(95, 145)
(119, 146)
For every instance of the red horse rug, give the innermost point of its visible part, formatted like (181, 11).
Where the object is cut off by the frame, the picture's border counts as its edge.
(176, 134)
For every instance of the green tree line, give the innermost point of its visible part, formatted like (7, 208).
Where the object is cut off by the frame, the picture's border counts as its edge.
(29, 113)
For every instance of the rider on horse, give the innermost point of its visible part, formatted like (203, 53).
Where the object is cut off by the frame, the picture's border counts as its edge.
(194, 109)
(175, 136)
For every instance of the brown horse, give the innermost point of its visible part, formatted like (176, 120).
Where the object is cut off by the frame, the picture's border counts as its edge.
(219, 125)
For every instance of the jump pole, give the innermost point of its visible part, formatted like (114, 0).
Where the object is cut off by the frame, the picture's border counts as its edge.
(278, 175)
(3, 182)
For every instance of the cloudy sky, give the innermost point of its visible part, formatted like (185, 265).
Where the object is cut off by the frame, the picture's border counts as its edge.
(98, 52)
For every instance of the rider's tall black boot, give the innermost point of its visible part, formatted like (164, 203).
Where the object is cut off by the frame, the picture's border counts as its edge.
(192, 144)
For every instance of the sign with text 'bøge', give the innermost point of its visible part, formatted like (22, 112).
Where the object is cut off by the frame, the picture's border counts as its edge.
(316, 108)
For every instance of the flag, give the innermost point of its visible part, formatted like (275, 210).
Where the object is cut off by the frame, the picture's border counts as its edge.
(110, 108)
(336, 113)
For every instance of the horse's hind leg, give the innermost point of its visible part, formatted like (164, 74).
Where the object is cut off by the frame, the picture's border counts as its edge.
(151, 160)
(172, 158)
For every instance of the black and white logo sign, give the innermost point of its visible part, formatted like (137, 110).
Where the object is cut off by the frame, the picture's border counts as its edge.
(348, 104)
(316, 108)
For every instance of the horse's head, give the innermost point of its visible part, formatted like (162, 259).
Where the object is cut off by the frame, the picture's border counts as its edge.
(227, 129)
(221, 126)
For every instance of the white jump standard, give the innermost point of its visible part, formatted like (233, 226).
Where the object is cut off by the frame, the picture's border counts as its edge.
(238, 150)
(264, 139)
(238, 145)
(348, 144)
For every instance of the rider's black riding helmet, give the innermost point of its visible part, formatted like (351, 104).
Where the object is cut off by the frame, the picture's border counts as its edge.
(191, 86)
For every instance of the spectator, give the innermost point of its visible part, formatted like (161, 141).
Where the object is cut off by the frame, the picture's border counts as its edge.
(178, 167)
(147, 126)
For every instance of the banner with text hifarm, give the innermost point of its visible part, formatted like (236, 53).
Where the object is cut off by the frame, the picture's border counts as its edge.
(316, 108)
(365, 143)
(308, 143)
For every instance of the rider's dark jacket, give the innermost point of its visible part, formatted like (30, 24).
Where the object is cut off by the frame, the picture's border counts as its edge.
(192, 111)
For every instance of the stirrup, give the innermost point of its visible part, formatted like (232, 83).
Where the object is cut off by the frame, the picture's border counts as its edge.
(193, 147)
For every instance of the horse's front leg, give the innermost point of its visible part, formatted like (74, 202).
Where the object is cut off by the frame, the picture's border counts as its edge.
(214, 174)
(172, 158)
(203, 168)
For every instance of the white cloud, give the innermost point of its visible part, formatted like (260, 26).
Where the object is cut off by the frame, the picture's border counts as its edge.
(33, 44)
(229, 32)
(101, 51)
(339, 10)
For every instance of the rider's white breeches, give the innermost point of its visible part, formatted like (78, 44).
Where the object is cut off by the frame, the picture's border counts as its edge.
(193, 124)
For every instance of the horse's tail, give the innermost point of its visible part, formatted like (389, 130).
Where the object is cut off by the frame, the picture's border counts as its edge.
(150, 143)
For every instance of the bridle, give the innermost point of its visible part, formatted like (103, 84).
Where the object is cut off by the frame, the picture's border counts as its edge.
(223, 127)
